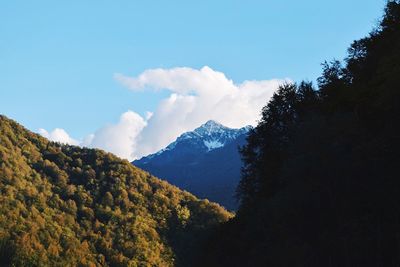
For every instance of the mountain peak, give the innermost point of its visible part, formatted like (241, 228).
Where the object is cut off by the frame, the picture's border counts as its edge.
(205, 161)
(207, 137)
(210, 127)
(211, 123)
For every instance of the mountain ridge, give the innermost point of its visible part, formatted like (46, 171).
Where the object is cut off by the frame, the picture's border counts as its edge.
(209, 136)
(186, 162)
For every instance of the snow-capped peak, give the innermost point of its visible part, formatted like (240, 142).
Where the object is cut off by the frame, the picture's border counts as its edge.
(209, 136)
(212, 135)
(210, 127)
(211, 124)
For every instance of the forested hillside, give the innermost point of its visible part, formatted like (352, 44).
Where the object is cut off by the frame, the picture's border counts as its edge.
(321, 182)
(68, 206)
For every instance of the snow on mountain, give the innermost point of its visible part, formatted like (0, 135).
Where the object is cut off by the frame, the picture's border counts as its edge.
(207, 137)
(213, 144)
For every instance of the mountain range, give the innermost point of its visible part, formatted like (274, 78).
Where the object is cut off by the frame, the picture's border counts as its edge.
(204, 161)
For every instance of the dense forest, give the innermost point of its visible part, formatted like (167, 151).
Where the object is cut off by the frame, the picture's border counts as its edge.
(321, 183)
(68, 206)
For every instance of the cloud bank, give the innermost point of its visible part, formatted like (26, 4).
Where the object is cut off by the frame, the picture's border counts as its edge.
(58, 135)
(120, 138)
(197, 95)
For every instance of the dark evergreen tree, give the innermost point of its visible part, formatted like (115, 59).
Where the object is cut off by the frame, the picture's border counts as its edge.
(321, 185)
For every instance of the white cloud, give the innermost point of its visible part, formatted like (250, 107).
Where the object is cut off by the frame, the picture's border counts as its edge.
(196, 96)
(120, 138)
(58, 135)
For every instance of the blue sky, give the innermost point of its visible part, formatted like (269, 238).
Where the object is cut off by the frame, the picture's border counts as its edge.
(58, 58)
